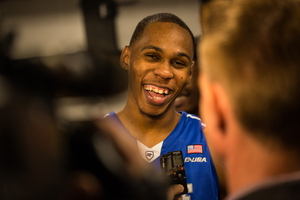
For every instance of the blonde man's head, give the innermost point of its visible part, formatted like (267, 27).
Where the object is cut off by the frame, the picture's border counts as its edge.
(252, 47)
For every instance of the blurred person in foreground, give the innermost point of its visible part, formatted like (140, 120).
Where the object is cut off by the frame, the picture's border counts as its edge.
(40, 160)
(250, 86)
(159, 60)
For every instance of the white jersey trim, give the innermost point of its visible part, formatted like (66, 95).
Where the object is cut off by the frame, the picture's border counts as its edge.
(195, 117)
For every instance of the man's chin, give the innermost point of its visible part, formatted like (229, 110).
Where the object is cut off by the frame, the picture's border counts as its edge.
(153, 113)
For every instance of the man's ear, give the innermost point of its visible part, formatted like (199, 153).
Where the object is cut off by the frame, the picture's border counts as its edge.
(214, 112)
(124, 58)
(221, 105)
(191, 72)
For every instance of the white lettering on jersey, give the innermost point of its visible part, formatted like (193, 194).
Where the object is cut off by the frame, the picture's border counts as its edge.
(190, 187)
(195, 159)
(185, 197)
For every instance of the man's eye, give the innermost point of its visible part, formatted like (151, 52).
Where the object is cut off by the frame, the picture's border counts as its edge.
(152, 56)
(179, 64)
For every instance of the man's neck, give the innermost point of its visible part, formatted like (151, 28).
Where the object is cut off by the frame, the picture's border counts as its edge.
(149, 130)
(255, 163)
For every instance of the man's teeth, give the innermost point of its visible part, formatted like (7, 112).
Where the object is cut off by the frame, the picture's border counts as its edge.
(157, 90)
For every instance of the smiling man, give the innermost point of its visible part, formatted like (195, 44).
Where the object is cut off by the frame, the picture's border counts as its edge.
(159, 61)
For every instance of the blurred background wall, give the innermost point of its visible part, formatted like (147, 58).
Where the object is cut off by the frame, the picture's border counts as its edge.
(68, 37)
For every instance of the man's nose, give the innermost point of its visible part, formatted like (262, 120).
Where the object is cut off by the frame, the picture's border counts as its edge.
(164, 70)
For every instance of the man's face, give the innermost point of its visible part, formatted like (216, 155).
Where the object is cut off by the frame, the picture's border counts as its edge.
(159, 66)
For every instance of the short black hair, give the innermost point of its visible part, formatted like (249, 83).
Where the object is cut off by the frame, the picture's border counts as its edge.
(159, 17)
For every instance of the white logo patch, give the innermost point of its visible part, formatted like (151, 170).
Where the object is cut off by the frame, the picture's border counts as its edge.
(195, 159)
(149, 155)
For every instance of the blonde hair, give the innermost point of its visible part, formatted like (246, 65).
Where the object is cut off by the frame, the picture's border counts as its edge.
(259, 44)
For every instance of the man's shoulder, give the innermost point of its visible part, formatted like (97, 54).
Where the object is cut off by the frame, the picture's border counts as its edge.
(283, 191)
(192, 119)
(284, 188)
(188, 116)
(110, 114)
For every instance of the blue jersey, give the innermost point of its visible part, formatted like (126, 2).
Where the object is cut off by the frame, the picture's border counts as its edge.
(188, 137)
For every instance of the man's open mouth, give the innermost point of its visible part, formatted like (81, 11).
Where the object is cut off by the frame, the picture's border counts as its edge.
(156, 94)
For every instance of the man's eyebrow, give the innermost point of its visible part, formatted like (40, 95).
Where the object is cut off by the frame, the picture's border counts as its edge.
(180, 54)
(183, 55)
(152, 47)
